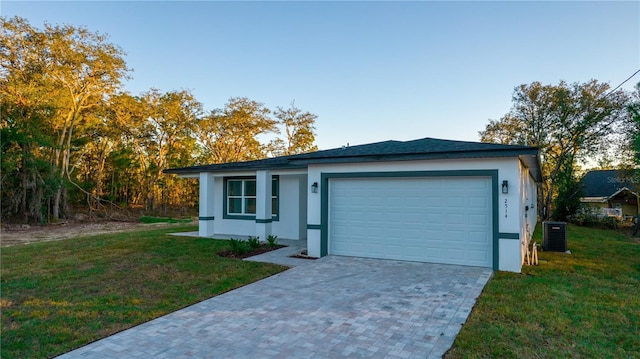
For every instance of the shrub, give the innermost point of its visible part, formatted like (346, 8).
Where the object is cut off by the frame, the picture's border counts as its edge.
(253, 242)
(272, 241)
(584, 217)
(589, 217)
(609, 222)
(238, 247)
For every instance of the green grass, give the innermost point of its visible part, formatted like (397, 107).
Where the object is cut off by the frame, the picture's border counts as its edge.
(149, 219)
(583, 305)
(57, 296)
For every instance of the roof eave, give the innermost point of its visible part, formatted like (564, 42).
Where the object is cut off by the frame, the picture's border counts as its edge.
(222, 168)
(418, 156)
(529, 157)
(594, 199)
(622, 190)
(532, 162)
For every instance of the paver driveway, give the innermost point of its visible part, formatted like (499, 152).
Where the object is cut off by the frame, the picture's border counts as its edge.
(331, 307)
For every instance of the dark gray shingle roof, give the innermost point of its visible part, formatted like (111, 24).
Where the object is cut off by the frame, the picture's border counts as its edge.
(426, 148)
(421, 146)
(607, 182)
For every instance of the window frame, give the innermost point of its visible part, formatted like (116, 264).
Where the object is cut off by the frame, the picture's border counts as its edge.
(249, 216)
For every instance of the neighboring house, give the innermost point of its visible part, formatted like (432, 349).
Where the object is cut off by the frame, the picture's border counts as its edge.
(427, 200)
(612, 192)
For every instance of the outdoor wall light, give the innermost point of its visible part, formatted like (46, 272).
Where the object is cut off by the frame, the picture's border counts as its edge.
(314, 187)
(505, 187)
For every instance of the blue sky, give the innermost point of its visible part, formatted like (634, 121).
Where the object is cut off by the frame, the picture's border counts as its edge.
(371, 71)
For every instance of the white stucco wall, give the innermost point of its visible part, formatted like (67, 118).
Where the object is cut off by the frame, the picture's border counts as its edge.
(509, 214)
(292, 206)
(528, 199)
(206, 225)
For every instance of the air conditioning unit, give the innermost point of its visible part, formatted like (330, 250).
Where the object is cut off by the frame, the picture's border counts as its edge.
(554, 236)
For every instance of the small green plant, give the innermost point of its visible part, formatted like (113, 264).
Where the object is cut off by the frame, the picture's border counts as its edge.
(272, 241)
(238, 246)
(253, 242)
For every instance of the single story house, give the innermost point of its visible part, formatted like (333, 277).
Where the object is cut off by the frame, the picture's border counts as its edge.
(426, 200)
(612, 192)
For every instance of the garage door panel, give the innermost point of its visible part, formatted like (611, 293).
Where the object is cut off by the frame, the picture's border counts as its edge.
(433, 234)
(454, 203)
(455, 219)
(414, 233)
(478, 220)
(456, 185)
(443, 220)
(433, 201)
(414, 202)
(478, 202)
(434, 218)
(456, 254)
(478, 237)
(414, 219)
(478, 257)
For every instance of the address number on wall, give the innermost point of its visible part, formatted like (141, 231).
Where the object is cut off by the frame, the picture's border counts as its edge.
(506, 206)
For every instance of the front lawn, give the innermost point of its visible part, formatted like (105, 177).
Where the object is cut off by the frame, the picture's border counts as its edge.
(57, 296)
(583, 305)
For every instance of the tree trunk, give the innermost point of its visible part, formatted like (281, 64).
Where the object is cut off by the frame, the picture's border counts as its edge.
(56, 204)
(65, 202)
(23, 204)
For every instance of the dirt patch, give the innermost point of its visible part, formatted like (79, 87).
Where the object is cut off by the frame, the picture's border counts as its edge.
(11, 235)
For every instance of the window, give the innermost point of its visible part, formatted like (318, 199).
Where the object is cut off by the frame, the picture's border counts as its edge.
(241, 196)
(240, 201)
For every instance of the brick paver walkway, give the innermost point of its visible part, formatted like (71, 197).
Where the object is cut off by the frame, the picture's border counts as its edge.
(331, 307)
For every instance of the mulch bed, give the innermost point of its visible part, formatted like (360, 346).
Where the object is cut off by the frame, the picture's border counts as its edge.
(263, 249)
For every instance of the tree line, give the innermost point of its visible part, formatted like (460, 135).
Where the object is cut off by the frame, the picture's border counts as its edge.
(73, 139)
(571, 124)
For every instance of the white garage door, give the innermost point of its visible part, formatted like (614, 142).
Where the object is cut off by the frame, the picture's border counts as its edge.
(435, 219)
